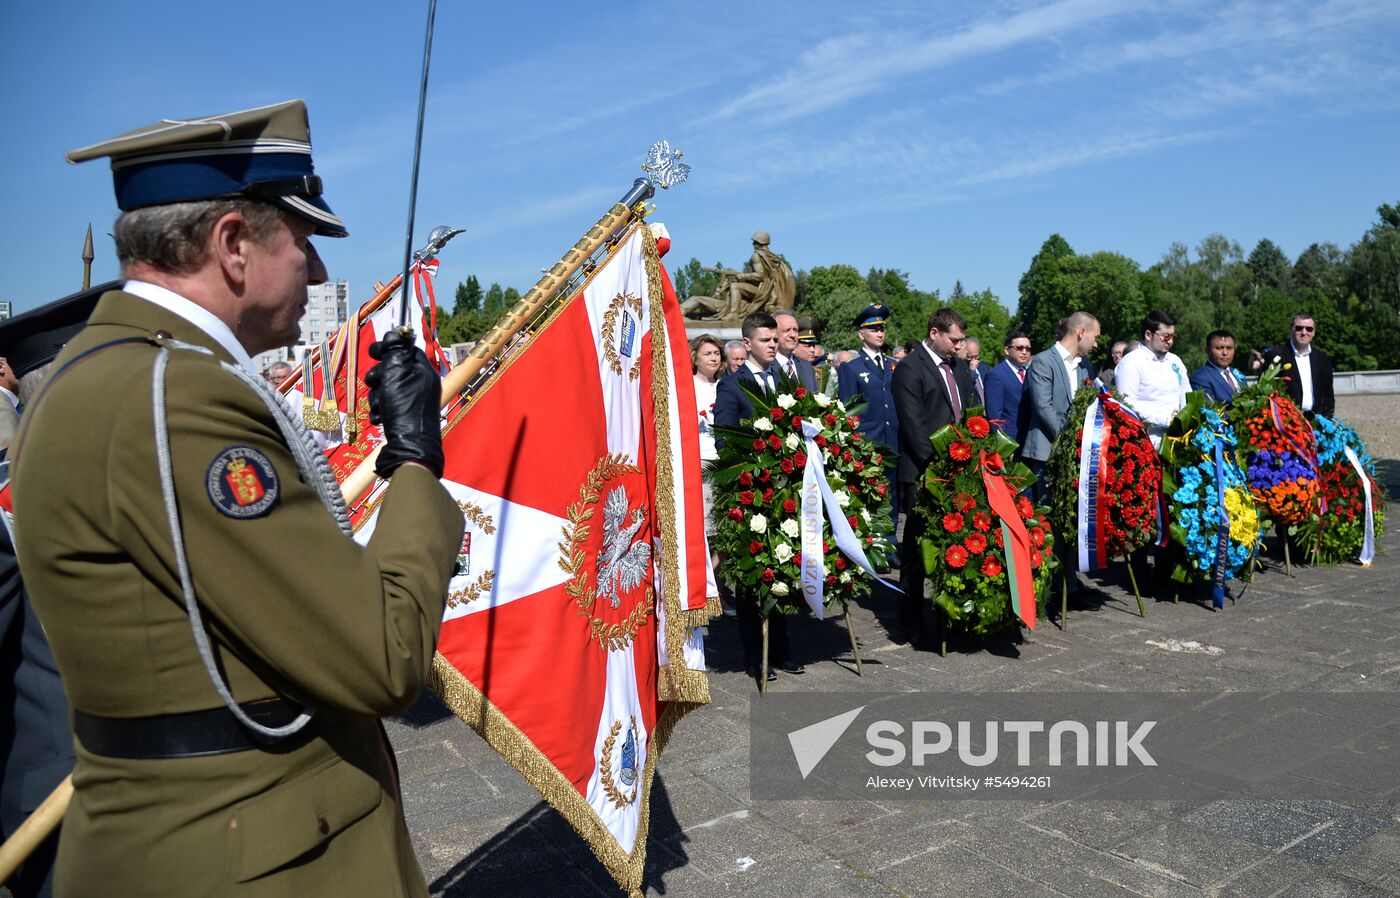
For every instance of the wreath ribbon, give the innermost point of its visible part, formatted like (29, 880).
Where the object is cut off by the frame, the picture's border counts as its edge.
(1368, 545)
(816, 496)
(1093, 469)
(1016, 543)
(1222, 531)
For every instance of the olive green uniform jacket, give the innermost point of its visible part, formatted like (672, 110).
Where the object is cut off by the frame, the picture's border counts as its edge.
(294, 607)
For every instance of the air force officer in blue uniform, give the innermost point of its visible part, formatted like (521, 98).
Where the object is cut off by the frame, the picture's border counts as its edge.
(867, 378)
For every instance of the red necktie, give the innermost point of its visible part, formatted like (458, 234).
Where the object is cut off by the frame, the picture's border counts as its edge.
(1021, 373)
(953, 396)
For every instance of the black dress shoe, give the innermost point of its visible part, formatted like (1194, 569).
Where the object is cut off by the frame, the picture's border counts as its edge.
(753, 674)
(793, 667)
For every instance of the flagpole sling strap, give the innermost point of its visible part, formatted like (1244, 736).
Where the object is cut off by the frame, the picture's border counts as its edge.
(545, 291)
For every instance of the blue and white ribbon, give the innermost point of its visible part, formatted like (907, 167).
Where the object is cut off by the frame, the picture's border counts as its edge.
(1222, 533)
(816, 494)
(1368, 545)
(1091, 549)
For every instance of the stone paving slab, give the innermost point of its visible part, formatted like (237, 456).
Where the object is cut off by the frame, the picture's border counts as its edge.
(479, 830)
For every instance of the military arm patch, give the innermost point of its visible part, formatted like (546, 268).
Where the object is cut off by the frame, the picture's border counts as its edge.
(242, 483)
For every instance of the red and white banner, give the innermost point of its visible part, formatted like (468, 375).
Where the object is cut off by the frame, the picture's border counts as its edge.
(571, 640)
(349, 437)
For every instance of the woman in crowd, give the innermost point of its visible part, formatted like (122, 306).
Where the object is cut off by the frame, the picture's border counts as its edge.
(706, 362)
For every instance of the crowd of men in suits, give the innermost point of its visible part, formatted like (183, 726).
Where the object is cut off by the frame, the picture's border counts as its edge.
(911, 393)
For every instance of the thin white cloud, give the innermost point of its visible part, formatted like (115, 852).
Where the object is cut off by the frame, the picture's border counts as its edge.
(845, 67)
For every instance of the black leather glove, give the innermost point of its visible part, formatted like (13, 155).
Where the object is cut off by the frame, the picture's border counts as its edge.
(404, 397)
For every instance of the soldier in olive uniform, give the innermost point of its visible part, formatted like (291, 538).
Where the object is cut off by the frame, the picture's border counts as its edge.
(186, 549)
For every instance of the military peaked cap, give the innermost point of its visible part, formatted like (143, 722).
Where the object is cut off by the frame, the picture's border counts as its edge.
(32, 340)
(262, 153)
(873, 316)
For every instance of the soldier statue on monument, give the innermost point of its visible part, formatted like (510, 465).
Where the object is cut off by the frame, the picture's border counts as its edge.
(765, 284)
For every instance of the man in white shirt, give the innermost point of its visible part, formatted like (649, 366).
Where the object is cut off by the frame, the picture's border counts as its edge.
(1307, 374)
(1152, 379)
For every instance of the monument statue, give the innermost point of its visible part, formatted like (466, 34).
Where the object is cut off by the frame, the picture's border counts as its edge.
(765, 285)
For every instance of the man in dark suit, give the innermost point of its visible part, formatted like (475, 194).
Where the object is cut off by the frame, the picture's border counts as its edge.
(1307, 369)
(732, 406)
(869, 378)
(786, 360)
(1008, 402)
(931, 387)
(1217, 379)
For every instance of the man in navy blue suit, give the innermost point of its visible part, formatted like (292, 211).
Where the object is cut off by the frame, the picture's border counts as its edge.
(732, 405)
(868, 378)
(1008, 401)
(787, 360)
(1217, 378)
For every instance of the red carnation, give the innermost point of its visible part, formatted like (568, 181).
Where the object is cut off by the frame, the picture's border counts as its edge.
(800, 392)
(799, 458)
(878, 459)
(855, 438)
(787, 466)
(853, 522)
(759, 444)
(796, 422)
(755, 547)
(982, 521)
(774, 442)
(956, 556)
(978, 426)
(746, 479)
(854, 420)
(840, 563)
(953, 523)
(976, 543)
(960, 451)
(858, 466)
(846, 456)
(789, 505)
(830, 579)
(776, 414)
(990, 567)
(881, 489)
(768, 575)
(736, 514)
(764, 475)
(768, 495)
(820, 440)
(746, 497)
(797, 559)
(829, 419)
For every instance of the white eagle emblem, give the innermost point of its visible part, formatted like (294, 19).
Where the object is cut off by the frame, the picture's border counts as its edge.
(622, 565)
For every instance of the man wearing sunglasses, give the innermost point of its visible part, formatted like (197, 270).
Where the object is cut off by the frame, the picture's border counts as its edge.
(1309, 380)
(1152, 379)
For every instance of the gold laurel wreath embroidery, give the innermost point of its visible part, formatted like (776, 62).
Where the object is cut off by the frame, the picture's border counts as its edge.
(475, 515)
(472, 591)
(615, 308)
(615, 795)
(610, 636)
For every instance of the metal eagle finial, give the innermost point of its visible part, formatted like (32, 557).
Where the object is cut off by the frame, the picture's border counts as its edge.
(663, 165)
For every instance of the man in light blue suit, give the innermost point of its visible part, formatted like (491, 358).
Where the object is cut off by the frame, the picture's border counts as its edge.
(1008, 402)
(1217, 378)
(1054, 376)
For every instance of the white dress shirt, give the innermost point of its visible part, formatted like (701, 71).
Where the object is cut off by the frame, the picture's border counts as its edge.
(1071, 363)
(195, 314)
(1303, 363)
(14, 400)
(1155, 387)
(762, 375)
(705, 409)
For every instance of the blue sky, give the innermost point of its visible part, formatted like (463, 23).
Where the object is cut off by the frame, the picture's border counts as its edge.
(946, 139)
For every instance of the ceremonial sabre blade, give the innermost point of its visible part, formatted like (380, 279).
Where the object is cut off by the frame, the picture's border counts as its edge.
(417, 153)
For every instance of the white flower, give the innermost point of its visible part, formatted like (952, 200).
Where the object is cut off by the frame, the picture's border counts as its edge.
(845, 576)
(785, 400)
(762, 424)
(780, 588)
(842, 437)
(790, 528)
(843, 498)
(865, 513)
(793, 441)
(783, 552)
(841, 405)
(823, 400)
(758, 524)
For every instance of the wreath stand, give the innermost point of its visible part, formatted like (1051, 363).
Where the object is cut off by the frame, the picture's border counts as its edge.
(855, 651)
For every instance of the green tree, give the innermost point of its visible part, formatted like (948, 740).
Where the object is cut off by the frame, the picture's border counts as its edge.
(987, 319)
(1373, 275)
(468, 297)
(1269, 267)
(835, 294)
(1321, 266)
(495, 302)
(1041, 307)
(690, 280)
